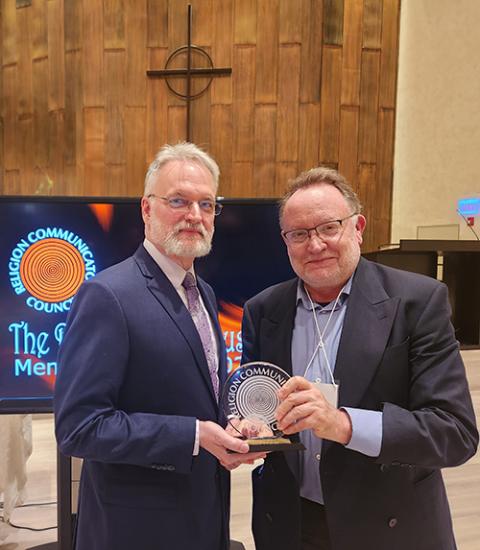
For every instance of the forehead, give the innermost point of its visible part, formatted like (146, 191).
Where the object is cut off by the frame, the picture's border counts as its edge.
(184, 177)
(315, 204)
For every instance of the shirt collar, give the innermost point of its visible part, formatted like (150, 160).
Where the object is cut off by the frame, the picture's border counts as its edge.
(174, 272)
(302, 297)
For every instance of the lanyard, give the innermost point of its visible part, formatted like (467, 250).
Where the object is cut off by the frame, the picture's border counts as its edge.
(321, 334)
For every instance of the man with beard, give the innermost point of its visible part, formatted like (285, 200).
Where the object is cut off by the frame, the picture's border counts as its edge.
(140, 370)
(378, 394)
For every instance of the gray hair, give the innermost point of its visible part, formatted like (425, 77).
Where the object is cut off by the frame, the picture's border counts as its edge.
(183, 151)
(327, 176)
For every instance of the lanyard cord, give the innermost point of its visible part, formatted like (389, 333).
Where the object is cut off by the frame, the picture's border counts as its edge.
(321, 334)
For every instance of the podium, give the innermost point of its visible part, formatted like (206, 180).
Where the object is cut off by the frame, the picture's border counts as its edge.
(457, 264)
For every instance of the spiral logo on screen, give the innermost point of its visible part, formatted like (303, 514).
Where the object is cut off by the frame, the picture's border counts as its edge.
(52, 270)
(50, 264)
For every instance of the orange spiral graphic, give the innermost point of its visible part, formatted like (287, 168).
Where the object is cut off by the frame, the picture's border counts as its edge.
(52, 270)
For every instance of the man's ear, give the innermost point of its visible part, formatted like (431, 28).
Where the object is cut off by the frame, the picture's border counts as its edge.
(360, 227)
(146, 208)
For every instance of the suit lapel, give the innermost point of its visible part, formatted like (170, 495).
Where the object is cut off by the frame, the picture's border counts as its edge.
(366, 329)
(165, 293)
(277, 327)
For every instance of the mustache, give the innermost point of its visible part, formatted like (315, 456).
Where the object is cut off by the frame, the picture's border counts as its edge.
(186, 225)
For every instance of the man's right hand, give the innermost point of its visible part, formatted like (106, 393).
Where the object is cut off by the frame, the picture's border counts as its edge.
(215, 440)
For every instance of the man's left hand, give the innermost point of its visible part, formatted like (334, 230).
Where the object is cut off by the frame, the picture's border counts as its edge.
(303, 407)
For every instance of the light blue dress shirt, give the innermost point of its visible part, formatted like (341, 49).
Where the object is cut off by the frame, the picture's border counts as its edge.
(366, 425)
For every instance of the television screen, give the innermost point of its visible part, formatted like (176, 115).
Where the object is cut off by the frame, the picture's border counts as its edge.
(50, 245)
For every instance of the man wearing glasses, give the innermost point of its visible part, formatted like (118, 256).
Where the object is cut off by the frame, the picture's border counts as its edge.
(378, 394)
(140, 370)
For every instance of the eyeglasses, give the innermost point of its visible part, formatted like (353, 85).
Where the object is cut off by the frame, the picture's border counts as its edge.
(327, 230)
(179, 204)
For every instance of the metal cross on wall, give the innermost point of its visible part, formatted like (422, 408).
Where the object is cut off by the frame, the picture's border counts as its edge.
(190, 72)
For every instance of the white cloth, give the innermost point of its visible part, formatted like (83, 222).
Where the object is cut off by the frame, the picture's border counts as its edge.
(15, 449)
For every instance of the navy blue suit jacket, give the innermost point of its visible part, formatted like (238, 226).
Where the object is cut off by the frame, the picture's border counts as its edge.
(132, 381)
(397, 354)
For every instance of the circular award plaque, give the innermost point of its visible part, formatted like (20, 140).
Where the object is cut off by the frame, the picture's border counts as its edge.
(250, 400)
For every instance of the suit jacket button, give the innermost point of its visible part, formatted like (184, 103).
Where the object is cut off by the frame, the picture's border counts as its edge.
(383, 468)
(269, 517)
(392, 522)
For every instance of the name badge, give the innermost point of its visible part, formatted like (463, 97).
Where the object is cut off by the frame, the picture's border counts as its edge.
(329, 391)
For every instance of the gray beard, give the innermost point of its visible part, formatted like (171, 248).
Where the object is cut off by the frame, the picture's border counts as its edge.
(175, 247)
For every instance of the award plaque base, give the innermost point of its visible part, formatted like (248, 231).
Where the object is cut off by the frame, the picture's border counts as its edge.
(267, 444)
(262, 444)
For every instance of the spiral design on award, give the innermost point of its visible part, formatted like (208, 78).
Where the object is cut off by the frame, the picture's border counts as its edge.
(258, 398)
(52, 270)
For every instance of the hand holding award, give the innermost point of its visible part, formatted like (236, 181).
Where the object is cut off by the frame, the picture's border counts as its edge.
(250, 399)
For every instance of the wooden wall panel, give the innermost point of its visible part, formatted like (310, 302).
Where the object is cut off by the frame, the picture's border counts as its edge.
(242, 184)
(39, 16)
(9, 114)
(287, 103)
(202, 29)
(243, 103)
(290, 30)
(348, 144)
(136, 52)
(333, 22)
(72, 66)
(352, 52)
(73, 25)
(265, 127)
(390, 35)
(311, 61)
(386, 132)
(157, 21)
(313, 81)
(9, 32)
(94, 146)
(330, 105)
(56, 146)
(157, 105)
(176, 123)
(40, 112)
(285, 171)
(222, 51)
(245, 26)
(11, 183)
(266, 52)
(200, 129)
(221, 135)
(308, 136)
(92, 58)
(366, 190)
(25, 99)
(56, 56)
(115, 107)
(25, 146)
(367, 139)
(115, 181)
(136, 163)
(372, 23)
(114, 24)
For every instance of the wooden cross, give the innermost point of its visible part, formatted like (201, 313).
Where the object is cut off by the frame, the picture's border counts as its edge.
(189, 72)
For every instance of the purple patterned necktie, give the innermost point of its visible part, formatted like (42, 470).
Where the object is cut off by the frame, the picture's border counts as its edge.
(200, 319)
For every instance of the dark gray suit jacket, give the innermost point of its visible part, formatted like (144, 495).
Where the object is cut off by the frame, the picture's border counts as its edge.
(397, 354)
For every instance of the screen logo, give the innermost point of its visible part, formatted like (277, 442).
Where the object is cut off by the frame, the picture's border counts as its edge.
(48, 265)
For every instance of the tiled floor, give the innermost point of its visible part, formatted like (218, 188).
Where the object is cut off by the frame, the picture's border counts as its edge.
(463, 485)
